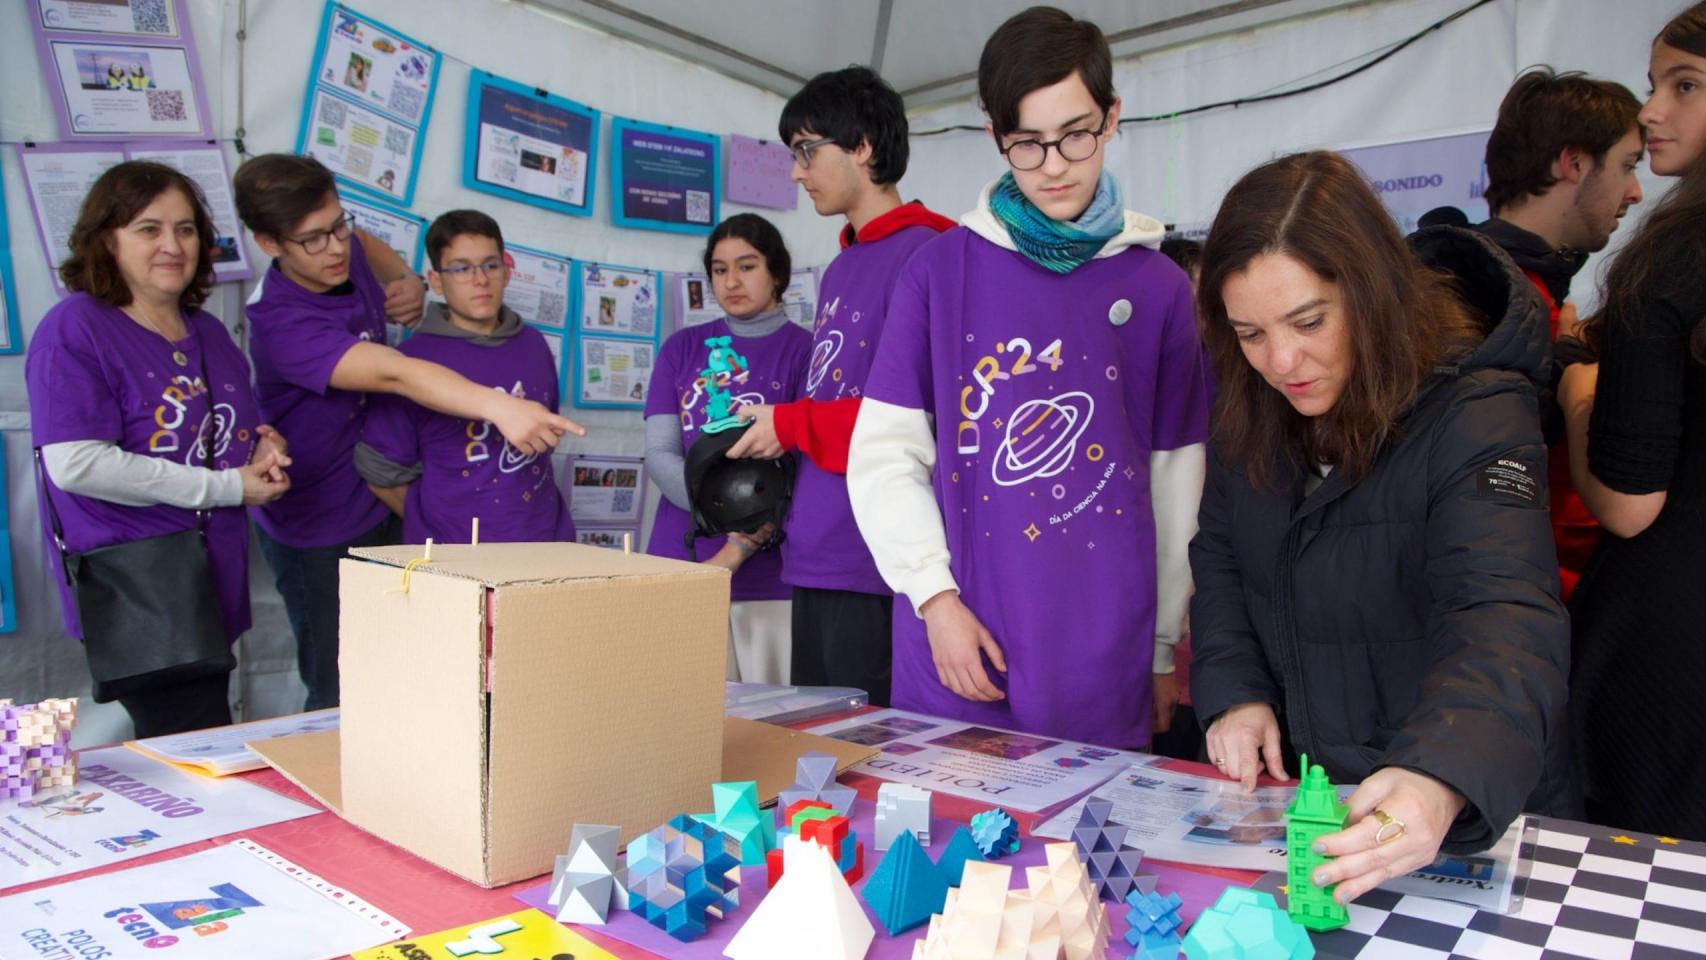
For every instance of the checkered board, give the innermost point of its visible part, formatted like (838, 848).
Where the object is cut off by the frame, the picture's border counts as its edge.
(1592, 893)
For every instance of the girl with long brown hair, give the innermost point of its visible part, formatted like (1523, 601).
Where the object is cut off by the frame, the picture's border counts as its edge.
(1638, 442)
(1376, 583)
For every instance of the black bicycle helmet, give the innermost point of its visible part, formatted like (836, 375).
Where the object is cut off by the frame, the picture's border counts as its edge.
(735, 496)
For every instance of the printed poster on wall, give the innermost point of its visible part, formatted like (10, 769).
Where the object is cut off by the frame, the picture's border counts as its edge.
(606, 491)
(538, 287)
(8, 584)
(58, 176)
(619, 301)
(125, 805)
(11, 332)
(368, 103)
(613, 373)
(1415, 176)
(205, 164)
(799, 301)
(663, 178)
(236, 900)
(695, 302)
(529, 145)
(121, 68)
(761, 173)
(400, 230)
(138, 18)
(554, 343)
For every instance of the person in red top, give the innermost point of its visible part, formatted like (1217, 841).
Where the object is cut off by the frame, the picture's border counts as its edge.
(1560, 176)
(848, 133)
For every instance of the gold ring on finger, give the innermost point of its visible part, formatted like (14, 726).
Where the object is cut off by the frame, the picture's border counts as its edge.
(1387, 823)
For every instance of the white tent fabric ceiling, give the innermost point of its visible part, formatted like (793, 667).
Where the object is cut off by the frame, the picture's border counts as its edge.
(927, 49)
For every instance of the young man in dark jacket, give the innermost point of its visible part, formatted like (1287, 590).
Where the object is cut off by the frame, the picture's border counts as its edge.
(1560, 175)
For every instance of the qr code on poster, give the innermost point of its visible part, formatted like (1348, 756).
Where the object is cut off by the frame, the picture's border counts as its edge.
(698, 206)
(396, 141)
(552, 308)
(166, 106)
(622, 501)
(150, 16)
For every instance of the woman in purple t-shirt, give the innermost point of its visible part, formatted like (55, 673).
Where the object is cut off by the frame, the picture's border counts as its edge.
(141, 406)
(319, 348)
(749, 268)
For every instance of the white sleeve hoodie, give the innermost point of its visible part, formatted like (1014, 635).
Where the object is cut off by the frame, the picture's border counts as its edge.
(894, 453)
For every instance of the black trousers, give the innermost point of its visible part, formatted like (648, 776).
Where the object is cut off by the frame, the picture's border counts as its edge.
(307, 579)
(193, 705)
(842, 638)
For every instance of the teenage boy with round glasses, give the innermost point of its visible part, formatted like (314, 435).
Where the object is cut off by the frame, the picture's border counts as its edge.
(441, 472)
(1029, 457)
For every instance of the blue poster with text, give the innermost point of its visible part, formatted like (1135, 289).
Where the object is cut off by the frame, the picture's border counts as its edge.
(667, 179)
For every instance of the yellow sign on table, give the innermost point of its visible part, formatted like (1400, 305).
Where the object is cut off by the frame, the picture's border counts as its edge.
(525, 935)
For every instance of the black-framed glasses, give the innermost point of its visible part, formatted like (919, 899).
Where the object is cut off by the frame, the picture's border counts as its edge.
(316, 242)
(803, 151)
(1075, 146)
(465, 271)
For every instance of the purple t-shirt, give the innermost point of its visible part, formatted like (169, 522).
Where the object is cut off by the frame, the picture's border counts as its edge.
(468, 469)
(776, 372)
(824, 549)
(95, 374)
(299, 337)
(1050, 393)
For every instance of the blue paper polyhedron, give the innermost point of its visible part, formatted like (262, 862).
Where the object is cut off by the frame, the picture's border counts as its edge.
(1155, 922)
(681, 873)
(995, 833)
(1245, 924)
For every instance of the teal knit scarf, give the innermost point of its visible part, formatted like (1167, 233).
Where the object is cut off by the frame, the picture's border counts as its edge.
(1057, 245)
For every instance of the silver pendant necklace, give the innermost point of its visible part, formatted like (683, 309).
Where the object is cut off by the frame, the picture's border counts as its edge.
(178, 356)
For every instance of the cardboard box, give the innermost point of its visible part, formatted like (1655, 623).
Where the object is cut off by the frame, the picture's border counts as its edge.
(516, 689)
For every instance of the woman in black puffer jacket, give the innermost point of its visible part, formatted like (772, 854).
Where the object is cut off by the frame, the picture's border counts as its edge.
(1376, 580)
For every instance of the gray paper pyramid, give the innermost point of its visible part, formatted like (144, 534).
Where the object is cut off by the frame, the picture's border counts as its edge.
(585, 881)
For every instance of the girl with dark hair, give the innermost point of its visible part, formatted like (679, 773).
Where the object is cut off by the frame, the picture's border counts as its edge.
(1637, 425)
(1376, 582)
(749, 268)
(147, 427)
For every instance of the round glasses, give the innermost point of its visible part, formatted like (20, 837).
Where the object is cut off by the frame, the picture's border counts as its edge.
(464, 272)
(1075, 146)
(316, 242)
(802, 151)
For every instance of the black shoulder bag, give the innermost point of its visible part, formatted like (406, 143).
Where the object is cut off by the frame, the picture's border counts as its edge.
(149, 614)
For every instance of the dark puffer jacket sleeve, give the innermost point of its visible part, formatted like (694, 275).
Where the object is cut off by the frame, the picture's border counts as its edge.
(1501, 635)
(1228, 666)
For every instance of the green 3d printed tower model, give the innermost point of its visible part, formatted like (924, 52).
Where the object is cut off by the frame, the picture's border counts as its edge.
(1314, 813)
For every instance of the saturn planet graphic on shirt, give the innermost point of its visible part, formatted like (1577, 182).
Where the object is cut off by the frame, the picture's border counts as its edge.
(1041, 438)
(824, 353)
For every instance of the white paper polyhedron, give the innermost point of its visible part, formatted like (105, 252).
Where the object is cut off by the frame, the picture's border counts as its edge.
(811, 904)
